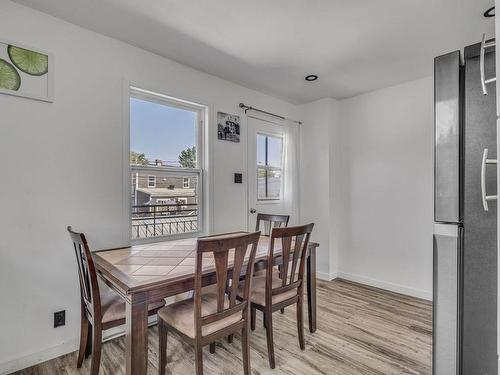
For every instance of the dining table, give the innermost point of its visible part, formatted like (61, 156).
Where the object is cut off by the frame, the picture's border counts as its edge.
(152, 271)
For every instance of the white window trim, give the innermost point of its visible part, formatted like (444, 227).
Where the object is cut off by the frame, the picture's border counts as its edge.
(154, 181)
(202, 145)
(273, 168)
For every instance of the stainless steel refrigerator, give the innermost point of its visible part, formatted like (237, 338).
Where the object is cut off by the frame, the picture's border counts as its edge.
(465, 230)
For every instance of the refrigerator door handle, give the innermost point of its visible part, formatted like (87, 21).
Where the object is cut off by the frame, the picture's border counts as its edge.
(485, 197)
(484, 81)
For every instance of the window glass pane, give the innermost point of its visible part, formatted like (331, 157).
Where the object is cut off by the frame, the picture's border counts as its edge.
(269, 160)
(162, 135)
(275, 151)
(168, 208)
(273, 183)
(261, 149)
(164, 201)
(261, 183)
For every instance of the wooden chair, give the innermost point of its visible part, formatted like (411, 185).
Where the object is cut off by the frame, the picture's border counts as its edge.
(270, 222)
(101, 308)
(274, 290)
(212, 313)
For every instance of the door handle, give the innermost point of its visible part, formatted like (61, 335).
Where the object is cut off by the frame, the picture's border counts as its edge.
(484, 81)
(253, 210)
(485, 197)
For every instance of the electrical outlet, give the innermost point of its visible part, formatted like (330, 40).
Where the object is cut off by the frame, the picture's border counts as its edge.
(59, 318)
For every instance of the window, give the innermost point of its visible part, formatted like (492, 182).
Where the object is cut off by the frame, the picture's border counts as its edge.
(152, 181)
(166, 165)
(269, 170)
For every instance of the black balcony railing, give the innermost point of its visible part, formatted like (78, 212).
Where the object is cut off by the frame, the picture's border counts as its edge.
(164, 219)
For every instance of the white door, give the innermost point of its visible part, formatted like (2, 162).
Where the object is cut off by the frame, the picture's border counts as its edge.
(272, 169)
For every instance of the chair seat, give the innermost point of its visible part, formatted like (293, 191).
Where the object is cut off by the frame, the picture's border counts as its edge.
(258, 295)
(113, 306)
(180, 315)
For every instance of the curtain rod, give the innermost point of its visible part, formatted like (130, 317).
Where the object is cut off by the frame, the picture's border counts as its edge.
(249, 108)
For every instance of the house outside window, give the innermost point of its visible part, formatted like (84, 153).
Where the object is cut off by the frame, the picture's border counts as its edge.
(185, 182)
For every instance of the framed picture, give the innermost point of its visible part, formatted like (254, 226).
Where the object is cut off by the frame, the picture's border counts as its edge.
(228, 127)
(26, 72)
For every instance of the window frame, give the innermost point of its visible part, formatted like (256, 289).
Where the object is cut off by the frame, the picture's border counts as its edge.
(184, 185)
(268, 168)
(149, 180)
(198, 172)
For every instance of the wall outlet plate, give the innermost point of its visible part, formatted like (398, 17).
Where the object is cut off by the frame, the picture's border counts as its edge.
(59, 318)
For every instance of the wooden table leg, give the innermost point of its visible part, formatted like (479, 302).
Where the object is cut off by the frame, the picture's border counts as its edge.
(311, 288)
(136, 335)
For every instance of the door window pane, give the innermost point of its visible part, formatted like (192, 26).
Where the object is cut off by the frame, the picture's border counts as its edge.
(269, 161)
(261, 149)
(273, 183)
(261, 183)
(275, 151)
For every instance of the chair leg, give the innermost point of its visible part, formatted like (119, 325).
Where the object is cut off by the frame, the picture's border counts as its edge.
(163, 337)
(268, 318)
(84, 332)
(264, 319)
(300, 323)
(282, 310)
(245, 348)
(212, 347)
(198, 354)
(253, 317)
(96, 350)
(230, 338)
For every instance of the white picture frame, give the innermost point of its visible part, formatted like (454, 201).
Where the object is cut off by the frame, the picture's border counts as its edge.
(37, 87)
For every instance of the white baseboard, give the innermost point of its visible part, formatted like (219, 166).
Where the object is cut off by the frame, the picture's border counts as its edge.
(326, 276)
(39, 357)
(413, 292)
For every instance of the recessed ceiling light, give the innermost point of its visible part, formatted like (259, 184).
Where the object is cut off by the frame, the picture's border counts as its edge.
(311, 77)
(490, 12)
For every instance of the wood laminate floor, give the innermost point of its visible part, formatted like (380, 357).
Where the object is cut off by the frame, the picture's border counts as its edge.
(361, 330)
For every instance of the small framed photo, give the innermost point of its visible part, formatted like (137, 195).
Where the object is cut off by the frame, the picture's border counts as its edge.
(228, 127)
(26, 72)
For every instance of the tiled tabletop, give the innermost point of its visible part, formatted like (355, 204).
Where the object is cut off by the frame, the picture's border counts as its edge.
(140, 265)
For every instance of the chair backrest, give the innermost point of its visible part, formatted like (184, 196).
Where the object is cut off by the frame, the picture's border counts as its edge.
(270, 222)
(228, 252)
(294, 243)
(89, 288)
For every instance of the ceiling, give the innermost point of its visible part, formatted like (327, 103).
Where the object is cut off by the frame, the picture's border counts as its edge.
(354, 46)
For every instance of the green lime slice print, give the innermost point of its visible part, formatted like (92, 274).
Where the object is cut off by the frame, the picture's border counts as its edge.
(29, 62)
(9, 77)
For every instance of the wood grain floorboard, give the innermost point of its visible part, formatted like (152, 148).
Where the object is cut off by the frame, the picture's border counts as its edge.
(361, 330)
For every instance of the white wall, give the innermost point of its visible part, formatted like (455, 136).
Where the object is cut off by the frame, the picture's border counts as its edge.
(319, 118)
(388, 151)
(63, 164)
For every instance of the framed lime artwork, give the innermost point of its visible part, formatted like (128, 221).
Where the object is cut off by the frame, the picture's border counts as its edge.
(26, 72)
